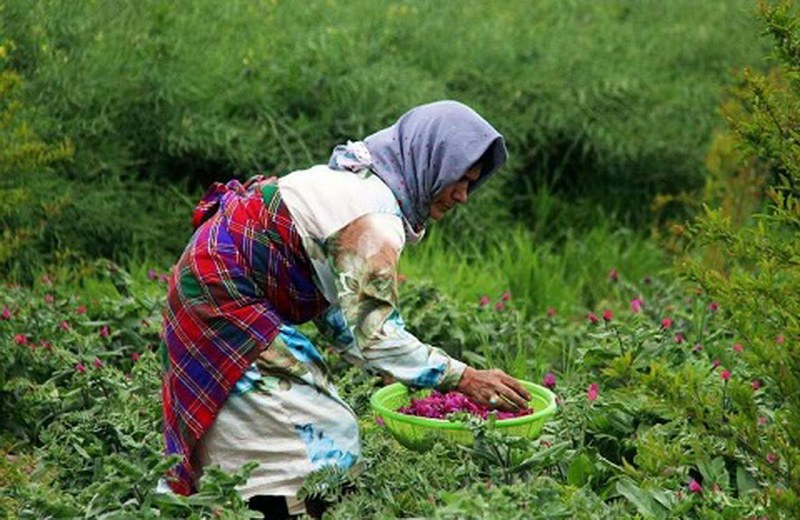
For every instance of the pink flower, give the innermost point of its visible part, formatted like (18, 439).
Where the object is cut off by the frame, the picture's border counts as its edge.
(6, 314)
(591, 394)
(779, 339)
(152, 274)
(636, 305)
(549, 380)
(379, 421)
(104, 332)
(65, 325)
(97, 363)
(756, 384)
(725, 375)
(484, 301)
(695, 487)
(679, 338)
(135, 356)
(771, 458)
(49, 298)
(80, 368)
(21, 339)
(500, 306)
(762, 420)
(716, 363)
(81, 309)
(697, 347)
(551, 312)
(666, 323)
(592, 317)
(713, 306)
(506, 296)
(608, 315)
(737, 347)
(613, 276)
(46, 345)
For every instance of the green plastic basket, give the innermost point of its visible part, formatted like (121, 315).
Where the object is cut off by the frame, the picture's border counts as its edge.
(419, 433)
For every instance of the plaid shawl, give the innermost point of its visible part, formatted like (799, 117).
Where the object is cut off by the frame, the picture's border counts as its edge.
(242, 275)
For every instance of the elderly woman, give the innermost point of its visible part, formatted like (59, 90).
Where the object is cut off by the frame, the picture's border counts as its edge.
(241, 382)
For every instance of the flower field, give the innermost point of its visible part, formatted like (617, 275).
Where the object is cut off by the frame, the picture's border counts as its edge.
(661, 414)
(640, 257)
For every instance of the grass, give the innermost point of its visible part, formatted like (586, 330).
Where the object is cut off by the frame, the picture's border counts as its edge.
(569, 275)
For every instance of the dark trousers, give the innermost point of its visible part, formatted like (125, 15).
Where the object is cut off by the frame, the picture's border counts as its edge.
(275, 508)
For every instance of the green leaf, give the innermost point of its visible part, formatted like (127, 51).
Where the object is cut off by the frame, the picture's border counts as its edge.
(744, 482)
(580, 470)
(644, 502)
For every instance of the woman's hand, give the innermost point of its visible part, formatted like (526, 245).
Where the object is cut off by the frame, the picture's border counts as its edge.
(493, 388)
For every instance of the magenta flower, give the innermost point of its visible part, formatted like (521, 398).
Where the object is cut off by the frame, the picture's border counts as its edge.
(551, 312)
(81, 309)
(591, 394)
(104, 332)
(549, 380)
(484, 301)
(756, 384)
(771, 458)
(716, 363)
(135, 356)
(506, 296)
(592, 317)
(500, 306)
(713, 306)
(65, 326)
(637, 304)
(6, 314)
(779, 339)
(762, 420)
(49, 298)
(46, 345)
(725, 375)
(80, 368)
(679, 338)
(152, 274)
(97, 363)
(608, 315)
(695, 487)
(21, 339)
(666, 323)
(737, 347)
(379, 421)
(613, 275)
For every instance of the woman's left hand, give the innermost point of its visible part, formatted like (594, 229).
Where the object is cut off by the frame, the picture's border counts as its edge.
(493, 388)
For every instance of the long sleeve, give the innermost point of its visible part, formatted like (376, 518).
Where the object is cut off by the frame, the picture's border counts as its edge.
(366, 327)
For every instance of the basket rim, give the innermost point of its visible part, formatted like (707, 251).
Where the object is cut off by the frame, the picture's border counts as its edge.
(443, 424)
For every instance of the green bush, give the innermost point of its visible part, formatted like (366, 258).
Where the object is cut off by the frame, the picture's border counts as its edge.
(759, 280)
(608, 100)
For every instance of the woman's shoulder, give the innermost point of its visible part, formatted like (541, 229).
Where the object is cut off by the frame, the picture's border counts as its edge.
(326, 200)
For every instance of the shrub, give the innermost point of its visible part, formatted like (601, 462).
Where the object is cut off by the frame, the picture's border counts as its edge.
(759, 280)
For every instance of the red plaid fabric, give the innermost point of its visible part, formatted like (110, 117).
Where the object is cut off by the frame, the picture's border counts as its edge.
(243, 274)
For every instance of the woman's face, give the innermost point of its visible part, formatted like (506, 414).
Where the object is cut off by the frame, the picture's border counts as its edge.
(454, 194)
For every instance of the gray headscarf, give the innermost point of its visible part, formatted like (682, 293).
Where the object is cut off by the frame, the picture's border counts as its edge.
(429, 147)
